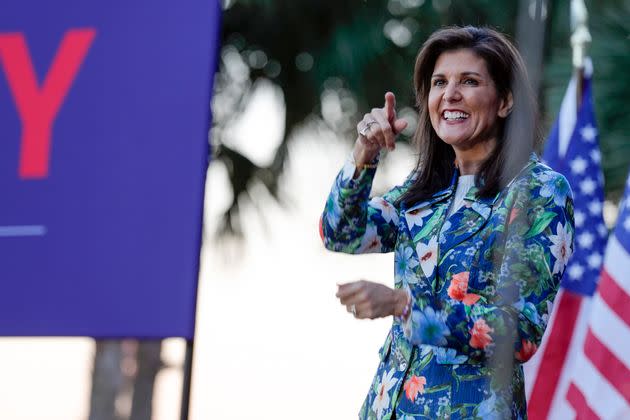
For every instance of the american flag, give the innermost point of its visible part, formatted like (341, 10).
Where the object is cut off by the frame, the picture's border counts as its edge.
(600, 388)
(573, 150)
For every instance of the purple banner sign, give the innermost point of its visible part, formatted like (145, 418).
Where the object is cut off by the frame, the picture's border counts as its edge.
(104, 117)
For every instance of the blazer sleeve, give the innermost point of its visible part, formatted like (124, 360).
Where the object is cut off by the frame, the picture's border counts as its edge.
(528, 266)
(353, 222)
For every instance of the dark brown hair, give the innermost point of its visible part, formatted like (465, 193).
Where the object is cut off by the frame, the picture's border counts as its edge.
(517, 133)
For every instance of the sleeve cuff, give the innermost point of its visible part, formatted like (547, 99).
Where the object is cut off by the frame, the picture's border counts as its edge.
(350, 167)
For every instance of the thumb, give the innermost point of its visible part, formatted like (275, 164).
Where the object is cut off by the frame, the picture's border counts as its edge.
(399, 125)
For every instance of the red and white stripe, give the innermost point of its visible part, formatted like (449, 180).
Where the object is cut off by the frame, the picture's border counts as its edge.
(548, 374)
(600, 385)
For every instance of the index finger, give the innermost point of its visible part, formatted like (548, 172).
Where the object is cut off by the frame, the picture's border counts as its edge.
(390, 106)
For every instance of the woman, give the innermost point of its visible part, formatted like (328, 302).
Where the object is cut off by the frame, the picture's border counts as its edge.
(481, 231)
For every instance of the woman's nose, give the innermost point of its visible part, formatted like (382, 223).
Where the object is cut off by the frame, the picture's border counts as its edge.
(452, 93)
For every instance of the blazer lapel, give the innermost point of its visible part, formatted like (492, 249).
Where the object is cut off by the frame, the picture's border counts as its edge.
(419, 217)
(465, 222)
(422, 218)
(424, 221)
(470, 218)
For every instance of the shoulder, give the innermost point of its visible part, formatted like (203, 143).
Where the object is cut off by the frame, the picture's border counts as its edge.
(537, 185)
(394, 194)
(538, 176)
(541, 184)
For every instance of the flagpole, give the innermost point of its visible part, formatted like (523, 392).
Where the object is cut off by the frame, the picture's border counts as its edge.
(580, 38)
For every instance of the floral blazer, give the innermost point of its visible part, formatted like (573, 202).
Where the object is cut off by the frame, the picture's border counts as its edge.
(482, 282)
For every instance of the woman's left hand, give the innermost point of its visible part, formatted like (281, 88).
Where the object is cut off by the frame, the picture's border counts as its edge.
(366, 299)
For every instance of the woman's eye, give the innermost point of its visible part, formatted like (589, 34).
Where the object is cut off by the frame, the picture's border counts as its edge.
(439, 82)
(471, 82)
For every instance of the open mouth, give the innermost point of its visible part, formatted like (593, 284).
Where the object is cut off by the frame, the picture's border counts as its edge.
(454, 115)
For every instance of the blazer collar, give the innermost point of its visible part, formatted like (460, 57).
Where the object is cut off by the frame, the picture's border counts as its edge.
(466, 221)
(469, 219)
(487, 203)
(435, 197)
(475, 213)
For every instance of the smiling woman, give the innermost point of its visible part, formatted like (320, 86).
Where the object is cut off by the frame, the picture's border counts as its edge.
(464, 105)
(474, 230)
(477, 71)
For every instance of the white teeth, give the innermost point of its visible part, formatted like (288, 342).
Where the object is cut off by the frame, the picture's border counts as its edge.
(455, 115)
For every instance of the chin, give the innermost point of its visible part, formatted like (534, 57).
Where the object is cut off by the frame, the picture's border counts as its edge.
(458, 142)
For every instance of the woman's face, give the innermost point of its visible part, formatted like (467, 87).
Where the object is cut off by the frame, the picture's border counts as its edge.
(464, 105)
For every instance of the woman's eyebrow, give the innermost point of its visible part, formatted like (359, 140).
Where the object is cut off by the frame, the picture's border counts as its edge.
(464, 73)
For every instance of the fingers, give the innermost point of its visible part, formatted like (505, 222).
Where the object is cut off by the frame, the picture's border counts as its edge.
(376, 130)
(385, 136)
(365, 299)
(350, 293)
(363, 310)
(400, 125)
(370, 137)
(380, 126)
(390, 106)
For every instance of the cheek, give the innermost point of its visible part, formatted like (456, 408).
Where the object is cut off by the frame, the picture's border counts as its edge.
(490, 114)
(434, 103)
(490, 108)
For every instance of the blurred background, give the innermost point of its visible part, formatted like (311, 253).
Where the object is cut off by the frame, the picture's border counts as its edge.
(294, 78)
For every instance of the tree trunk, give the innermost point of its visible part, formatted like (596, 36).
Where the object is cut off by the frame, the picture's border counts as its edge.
(107, 380)
(149, 364)
(123, 368)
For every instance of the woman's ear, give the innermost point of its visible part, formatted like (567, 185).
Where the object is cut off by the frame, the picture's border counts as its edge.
(505, 107)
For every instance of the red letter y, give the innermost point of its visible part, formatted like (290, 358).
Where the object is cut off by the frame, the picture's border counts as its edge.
(39, 107)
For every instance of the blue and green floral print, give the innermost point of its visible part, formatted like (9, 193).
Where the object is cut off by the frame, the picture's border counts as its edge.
(481, 283)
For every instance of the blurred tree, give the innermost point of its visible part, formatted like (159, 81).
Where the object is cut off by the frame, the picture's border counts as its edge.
(333, 60)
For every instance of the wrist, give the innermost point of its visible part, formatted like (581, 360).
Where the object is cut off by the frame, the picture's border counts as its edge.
(364, 158)
(402, 303)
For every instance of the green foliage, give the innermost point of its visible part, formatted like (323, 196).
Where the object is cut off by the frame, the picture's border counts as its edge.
(440, 388)
(540, 224)
(426, 359)
(430, 226)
